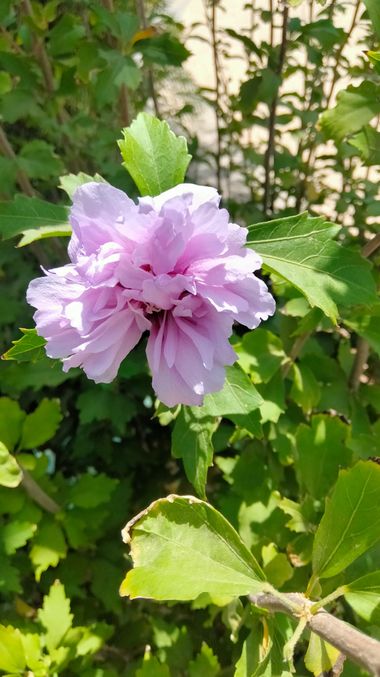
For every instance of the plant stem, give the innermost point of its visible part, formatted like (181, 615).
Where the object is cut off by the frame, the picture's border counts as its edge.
(214, 43)
(268, 160)
(22, 178)
(37, 494)
(140, 10)
(362, 650)
(358, 368)
(372, 246)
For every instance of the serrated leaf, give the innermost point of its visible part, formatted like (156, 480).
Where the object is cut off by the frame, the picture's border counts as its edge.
(192, 441)
(300, 250)
(55, 615)
(364, 596)
(31, 214)
(182, 547)
(321, 452)
(151, 667)
(89, 491)
(12, 656)
(41, 425)
(260, 354)
(70, 182)
(350, 524)
(205, 663)
(155, 158)
(15, 535)
(29, 348)
(305, 390)
(355, 107)
(10, 471)
(237, 397)
(48, 547)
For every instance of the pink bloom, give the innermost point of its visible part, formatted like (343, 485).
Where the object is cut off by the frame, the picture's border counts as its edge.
(172, 265)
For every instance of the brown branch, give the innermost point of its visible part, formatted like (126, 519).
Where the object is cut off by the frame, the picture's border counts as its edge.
(355, 645)
(214, 45)
(268, 160)
(359, 365)
(372, 246)
(22, 178)
(40, 53)
(140, 11)
(37, 494)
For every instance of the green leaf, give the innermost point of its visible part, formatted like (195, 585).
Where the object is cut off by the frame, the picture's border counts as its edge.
(305, 390)
(368, 144)
(155, 158)
(321, 452)
(364, 596)
(182, 547)
(15, 535)
(260, 354)
(11, 421)
(10, 471)
(12, 656)
(205, 664)
(70, 182)
(41, 425)
(238, 396)
(350, 525)
(48, 548)
(320, 656)
(356, 106)
(255, 655)
(300, 250)
(89, 491)
(29, 348)
(373, 9)
(55, 615)
(32, 217)
(192, 441)
(39, 160)
(152, 667)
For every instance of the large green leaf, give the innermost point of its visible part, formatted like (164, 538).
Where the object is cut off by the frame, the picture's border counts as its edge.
(373, 9)
(182, 547)
(55, 615)
(11, 422)
(154, 156)
(237, 397)
(356, 106)
(192, 441)
(364, 596)
(33, 218)
(300, 250)
(321, 452)
(351, 523)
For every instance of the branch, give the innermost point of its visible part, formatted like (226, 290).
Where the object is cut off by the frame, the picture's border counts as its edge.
(22, 178)
(362, 650)
(214, 43)
(371, 246)
(37, 494)
(268, 160)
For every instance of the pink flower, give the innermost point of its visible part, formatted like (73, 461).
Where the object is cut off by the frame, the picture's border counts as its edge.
(172, 265)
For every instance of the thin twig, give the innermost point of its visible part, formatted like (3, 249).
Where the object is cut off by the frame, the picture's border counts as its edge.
(372, 246)
(37, 494)
(22, 178)
(214, 44)
(268, 160)
(361, 649)
(140, 11)
(360, 363)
